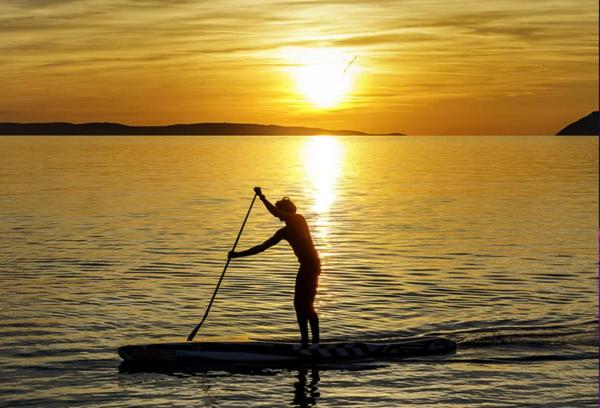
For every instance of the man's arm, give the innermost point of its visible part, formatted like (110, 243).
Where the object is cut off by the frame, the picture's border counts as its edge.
(275, 239)
(270, 207)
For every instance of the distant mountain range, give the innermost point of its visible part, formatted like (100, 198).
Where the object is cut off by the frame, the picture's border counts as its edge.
(105, 128)
(588, 125)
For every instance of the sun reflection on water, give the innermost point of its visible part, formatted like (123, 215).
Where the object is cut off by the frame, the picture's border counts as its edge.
(322, 157)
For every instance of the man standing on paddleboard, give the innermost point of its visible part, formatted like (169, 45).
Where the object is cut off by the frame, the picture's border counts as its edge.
(295, 232)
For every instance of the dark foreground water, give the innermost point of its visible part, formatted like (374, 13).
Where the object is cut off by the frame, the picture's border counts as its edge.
(107, 241)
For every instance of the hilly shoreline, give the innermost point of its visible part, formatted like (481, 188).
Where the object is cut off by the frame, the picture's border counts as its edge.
(585, 126)
(107, 128)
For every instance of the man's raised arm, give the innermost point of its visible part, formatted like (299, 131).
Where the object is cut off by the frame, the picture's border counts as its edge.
(270, 207)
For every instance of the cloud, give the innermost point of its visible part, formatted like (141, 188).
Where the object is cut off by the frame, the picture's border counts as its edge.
(32, 4)
(383, 39)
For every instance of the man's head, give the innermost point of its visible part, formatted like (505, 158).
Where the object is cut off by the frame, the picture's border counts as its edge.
(286, 205)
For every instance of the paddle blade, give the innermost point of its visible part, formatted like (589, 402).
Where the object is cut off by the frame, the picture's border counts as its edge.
(193, 333)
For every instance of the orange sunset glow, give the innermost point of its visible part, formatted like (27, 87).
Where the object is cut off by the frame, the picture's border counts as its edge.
(435, 67)
(303, 203)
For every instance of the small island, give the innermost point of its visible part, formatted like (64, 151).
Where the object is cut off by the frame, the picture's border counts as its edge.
(586, 126)
(107, 128)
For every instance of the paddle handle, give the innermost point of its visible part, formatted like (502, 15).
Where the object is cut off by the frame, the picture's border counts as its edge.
(193, 333)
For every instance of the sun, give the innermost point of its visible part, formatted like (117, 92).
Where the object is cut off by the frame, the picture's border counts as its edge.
(325, 85)
(323, 76)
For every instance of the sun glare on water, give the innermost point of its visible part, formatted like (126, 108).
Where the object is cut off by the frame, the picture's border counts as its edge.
(324, 77)
(322, 156)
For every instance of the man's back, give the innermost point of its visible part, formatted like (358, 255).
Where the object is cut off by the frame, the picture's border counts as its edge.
(296, 232)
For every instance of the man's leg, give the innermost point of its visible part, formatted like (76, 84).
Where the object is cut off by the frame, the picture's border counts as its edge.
(302, 323)
(304, 297)
(313, 318)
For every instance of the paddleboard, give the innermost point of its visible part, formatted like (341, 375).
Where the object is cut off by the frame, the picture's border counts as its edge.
(271, 352)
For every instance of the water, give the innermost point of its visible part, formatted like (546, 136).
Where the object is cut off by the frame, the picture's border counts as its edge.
(491, 241)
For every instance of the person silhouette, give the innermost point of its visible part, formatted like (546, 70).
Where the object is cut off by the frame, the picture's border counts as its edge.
(297, 233)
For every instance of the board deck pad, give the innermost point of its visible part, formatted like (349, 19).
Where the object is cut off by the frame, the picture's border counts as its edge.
(260, 351)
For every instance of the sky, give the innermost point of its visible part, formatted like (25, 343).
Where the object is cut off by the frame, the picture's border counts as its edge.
(421, 67)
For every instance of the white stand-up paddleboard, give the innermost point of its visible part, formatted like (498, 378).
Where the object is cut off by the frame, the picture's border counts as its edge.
(268, 352)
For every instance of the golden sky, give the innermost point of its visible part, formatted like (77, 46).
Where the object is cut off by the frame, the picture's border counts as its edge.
(422, 66)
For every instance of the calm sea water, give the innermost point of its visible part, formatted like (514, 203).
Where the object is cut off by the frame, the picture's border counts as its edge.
(491, 241)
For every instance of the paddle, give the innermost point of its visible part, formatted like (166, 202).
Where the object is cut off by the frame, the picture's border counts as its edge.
(193, 333)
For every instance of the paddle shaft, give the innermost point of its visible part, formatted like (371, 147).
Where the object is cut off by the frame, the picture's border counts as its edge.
(193, 333)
